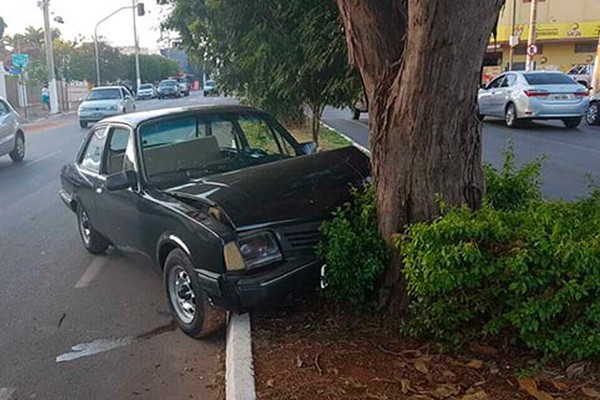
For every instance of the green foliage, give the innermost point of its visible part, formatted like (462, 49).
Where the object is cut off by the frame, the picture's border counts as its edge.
(520, 268)
(37, 72)
(354, 252)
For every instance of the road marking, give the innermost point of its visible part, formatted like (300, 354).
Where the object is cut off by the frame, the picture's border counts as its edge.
(91, 348)
(29, 164)
(354, 142)
(5, 393)
(91, 273)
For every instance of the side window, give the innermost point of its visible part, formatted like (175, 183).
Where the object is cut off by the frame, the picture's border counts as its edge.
(496, 82)
(3, 108)
(509, 81)
(116, 159)
(92, 156)
(123, 93)
(261, 137)
(223, 131)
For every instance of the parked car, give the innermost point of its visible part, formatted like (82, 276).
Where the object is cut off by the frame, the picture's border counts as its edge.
(12, 139)
(168, 88)
(517, 96)
(210, 88)
(146, 91)
(184, 86)
(360, 106)
(222, 198)
(105, 101)
(582, 74)
(592, 117)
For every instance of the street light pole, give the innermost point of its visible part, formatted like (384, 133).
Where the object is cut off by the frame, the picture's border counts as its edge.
(512, 34)
(50, 59)
(138, 79)
(532, 33)
(96, 40)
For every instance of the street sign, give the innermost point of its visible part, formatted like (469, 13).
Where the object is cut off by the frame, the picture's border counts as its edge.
(513, 41)
(532, 50)
(20, 60)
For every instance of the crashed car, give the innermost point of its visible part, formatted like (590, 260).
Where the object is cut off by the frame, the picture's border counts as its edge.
(222, 198)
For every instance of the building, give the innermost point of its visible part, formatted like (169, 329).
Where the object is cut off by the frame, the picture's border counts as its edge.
(130, 50)
(567, 34)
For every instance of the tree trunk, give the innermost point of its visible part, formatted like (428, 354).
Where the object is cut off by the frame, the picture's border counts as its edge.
(420, 63)
(316, 111)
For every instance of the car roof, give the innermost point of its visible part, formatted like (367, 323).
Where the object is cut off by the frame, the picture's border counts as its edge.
(137, 118)
(106, 87)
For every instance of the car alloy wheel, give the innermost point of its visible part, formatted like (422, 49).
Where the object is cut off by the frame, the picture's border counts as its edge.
(85, 228)
(511, 116)
(593, 115)
(181, 294)
(93, 241)
(18, 153)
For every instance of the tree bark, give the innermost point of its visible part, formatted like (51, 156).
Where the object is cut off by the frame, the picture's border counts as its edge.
(420, 62)
(316, 111)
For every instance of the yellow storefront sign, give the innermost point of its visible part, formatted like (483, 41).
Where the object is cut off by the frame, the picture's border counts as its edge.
(554, 30)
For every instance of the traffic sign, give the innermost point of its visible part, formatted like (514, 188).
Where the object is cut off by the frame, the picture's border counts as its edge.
(532, 50)
(20, 60)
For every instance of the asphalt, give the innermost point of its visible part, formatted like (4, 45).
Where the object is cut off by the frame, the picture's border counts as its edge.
(59, 303)
(572, 156)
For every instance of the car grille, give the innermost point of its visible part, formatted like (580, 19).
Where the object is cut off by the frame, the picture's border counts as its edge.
(305, 239)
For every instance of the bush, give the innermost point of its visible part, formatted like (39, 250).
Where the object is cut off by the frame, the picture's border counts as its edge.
(519, 267)
(354, 252)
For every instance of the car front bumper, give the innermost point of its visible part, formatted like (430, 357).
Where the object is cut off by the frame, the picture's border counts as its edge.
(96, 115)
(242, 293)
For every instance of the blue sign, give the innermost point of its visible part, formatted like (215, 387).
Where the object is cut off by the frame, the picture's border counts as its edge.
(15, 70)
(20, 60)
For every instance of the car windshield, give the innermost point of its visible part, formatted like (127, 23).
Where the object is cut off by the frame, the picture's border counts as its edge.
(541, 78)
(191, 147)
(210, 83)
(103, 94)
(168, 83)
(145, 86)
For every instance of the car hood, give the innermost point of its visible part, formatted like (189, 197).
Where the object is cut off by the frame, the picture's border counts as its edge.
(100, 103)
(306, 188)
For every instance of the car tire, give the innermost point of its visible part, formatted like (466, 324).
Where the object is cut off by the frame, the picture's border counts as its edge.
(93, 241)
(205, 94)
(18, 152)
(83, 124)
(356, 114)
(510, 116)
(189, 305)
(571, 123)
(592, 117)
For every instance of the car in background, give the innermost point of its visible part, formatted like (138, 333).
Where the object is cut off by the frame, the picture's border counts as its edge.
(361, 105)
(146, 91)
(168, 88)
(12, 138)
(184, 86)
(210, 88)
(582, 74)
(592, 117)
(517, 96)
(104, 101)
(222, 198)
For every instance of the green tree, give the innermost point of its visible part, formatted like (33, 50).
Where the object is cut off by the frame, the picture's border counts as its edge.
(2, 27)
(152, 67)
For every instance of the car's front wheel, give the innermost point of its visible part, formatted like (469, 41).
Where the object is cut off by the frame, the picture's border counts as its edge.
(190, 306)
(93, 241)
(510, 116)
(593, 115)
(572, 123)
(83, 124)
(18, 152)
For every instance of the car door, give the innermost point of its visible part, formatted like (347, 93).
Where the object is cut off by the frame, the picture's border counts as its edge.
(119, 207)
(484, 98)
(496, 96)
(91, 179)
(504, 93)
(6, 135)
(129, 102)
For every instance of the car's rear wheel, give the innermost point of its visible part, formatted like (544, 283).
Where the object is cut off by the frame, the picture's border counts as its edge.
(572, 123)
(190, 306)
(83, 124)
(510, 116)
(356, 114)
(18, 152)
(593, 115)
(93, 241)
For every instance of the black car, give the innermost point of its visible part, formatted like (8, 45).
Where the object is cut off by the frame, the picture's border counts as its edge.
(168, 88)
(221, 198)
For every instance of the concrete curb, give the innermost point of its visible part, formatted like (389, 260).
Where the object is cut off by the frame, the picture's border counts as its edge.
(354, 143)
(239, 364)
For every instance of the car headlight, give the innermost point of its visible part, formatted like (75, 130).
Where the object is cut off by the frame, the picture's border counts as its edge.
(252, 251)
(112, 108)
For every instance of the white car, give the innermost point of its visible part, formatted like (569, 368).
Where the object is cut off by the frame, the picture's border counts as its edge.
(184, 86)
(582, 74)
(146, 91)
(517, 96)
(105, 101)
(12, 138)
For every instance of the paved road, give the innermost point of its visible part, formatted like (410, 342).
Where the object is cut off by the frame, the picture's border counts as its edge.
(573, 156)
(54, 296)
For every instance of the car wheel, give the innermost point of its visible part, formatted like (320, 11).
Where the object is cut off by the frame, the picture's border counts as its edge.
(592, 117)
(83, 124)
(356, 114)
(510, 116)
(190, 306)
(204, 94)
(18, 153)
(571, 123)
(93, 241)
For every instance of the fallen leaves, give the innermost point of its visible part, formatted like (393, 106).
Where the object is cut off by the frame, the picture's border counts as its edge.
(479, 395)
(475, 364)
(483, 350)
(421, 366)
(590, 392)
(530, 386)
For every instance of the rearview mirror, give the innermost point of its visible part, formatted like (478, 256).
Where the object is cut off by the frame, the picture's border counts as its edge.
(308, 147)
(121, 180)
(482, 86)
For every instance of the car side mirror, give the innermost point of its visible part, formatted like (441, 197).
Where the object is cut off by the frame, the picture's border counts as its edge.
(308, 147)
(121, 180)
(483, 86)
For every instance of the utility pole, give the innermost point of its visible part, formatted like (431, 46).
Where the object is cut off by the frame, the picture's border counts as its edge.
(513, 41)
(50, 58)
(138, 79)
(532, 34)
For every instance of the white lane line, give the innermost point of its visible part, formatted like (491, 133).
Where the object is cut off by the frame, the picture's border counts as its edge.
(91, 273)
(91, 348)
(348, 138)
(29, 164)
(6, 392)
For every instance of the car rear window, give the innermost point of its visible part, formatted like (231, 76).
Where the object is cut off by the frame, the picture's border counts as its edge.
(146, 86)
(548, 79)
(168, 83)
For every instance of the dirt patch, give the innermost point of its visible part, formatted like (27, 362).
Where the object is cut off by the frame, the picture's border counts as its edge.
(310, 350)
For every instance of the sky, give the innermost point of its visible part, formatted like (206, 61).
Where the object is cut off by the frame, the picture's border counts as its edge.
(80, 17)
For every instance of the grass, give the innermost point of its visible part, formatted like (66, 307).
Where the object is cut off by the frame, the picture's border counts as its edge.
(328, 138)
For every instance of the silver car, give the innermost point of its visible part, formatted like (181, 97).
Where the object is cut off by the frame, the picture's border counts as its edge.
(146, 91)
(593, 115)
(103, 102)
(12, 139)
(517, 96)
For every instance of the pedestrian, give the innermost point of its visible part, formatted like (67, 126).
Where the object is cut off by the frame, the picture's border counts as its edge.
(46, 98)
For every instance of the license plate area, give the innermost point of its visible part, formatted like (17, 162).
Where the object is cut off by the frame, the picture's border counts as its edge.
(561, 97)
